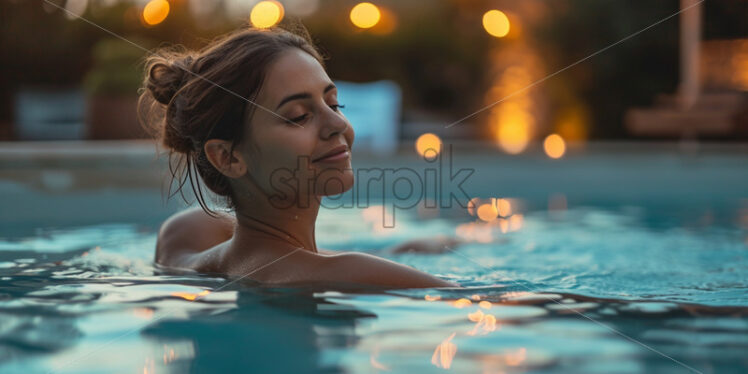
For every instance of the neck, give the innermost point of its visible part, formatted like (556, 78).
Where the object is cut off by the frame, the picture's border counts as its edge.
(292, 226)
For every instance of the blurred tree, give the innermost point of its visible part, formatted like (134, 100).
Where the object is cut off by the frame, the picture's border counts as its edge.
(116, 67)
(628, 74)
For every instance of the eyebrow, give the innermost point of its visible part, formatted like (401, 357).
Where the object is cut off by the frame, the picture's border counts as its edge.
(303, 95)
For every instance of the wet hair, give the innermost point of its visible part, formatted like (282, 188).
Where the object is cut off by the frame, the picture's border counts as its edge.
(189, 97)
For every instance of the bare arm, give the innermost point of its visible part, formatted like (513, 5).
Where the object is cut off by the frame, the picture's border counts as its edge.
(367, 269)
(435, 245)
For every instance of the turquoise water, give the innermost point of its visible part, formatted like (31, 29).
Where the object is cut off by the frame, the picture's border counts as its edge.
(588, 289)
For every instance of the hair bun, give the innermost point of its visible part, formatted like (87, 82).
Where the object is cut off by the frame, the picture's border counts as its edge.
(176, 140)
(167, 74)
(166, 77)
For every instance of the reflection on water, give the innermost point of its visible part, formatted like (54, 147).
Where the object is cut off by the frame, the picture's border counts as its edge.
(592, 291)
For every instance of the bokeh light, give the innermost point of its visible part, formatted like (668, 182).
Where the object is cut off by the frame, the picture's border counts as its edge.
(487, 212)
(496, 23)
(155, 12)
(462, 303)
(365, 15)
(516, 221)
(472, 205)
(512, 120)
(476, 316)
(504, 207)
(428, 145)
(513, 136)
(554, 146)
(503, 225)
(266, 14)
(512, 123)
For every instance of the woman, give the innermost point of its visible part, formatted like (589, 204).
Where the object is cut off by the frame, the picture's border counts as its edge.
(250, 106)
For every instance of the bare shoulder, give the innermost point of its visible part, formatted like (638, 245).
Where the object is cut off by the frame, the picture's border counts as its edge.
(188, 232)
(364, 268)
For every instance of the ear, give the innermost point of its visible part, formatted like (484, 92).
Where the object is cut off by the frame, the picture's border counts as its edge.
(228, 163)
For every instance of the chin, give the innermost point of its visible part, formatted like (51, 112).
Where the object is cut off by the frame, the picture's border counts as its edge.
(334, 183)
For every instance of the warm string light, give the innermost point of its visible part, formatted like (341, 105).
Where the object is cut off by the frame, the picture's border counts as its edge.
(155, 12)
(554, 146)
(266, 14)
(428, 145)
(496, 23)
(365, 15)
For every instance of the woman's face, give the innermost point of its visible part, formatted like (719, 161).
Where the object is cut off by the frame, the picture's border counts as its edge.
(311, 155)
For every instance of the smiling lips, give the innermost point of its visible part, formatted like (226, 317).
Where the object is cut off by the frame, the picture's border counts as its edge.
(336, 154)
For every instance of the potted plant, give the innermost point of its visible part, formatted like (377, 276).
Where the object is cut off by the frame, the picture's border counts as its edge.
(111, 90)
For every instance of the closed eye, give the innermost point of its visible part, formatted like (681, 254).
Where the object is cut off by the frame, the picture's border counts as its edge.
(335, 107)
(297, 119)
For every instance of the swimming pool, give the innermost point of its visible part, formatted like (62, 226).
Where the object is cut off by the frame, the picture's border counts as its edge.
(622, 260)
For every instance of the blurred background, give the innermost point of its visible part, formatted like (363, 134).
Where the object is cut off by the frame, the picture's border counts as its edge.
(435, 62)
(553, 103)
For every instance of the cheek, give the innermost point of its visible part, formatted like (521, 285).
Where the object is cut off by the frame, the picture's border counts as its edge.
(285, 149)
(268, 151)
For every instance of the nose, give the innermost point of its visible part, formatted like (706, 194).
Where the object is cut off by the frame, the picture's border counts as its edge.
(333, 124)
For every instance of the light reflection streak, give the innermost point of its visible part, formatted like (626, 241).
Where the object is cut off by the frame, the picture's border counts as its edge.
(495, 216)
(189, 295)
(374, 362)
(444, 353)
(169, 355)
(462, 303)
